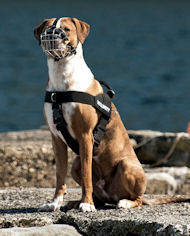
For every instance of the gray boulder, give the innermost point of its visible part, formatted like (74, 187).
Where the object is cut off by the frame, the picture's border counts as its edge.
(49, 230)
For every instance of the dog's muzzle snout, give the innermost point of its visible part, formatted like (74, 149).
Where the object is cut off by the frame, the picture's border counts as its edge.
(56, 33)
(53, 42)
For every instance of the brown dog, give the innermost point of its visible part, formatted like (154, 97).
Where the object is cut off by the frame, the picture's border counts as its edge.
(110, 173)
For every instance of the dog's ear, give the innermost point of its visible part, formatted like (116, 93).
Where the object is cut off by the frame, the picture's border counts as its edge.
(38, 30)
(82, 29)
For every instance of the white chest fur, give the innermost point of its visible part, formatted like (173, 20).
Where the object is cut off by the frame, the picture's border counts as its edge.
(68, 74)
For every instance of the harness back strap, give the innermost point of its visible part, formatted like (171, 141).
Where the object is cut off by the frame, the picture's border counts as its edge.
(101, 102)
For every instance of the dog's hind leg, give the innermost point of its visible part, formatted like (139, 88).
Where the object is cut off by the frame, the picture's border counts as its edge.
(128, 183)
(125, 203)
(61, 158)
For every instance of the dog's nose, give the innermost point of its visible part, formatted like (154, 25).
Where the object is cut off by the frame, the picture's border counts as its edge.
(49, 31)
(61, 33)
(56, 31)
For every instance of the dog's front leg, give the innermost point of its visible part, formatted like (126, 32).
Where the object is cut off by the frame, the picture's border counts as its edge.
(86, 147)
(61, 159)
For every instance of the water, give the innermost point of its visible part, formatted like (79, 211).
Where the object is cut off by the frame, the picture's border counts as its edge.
(141, 48)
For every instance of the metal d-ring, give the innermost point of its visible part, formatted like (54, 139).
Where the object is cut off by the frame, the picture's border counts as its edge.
(53, 99)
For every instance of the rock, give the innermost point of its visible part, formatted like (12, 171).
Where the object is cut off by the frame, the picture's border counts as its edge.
(19, 208)
(27, 160)
(167, 149)
(160, 183)
(133, 142)
(168, 180)
(50, 230)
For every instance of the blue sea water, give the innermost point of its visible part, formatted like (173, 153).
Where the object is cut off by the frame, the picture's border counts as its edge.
(140, 47)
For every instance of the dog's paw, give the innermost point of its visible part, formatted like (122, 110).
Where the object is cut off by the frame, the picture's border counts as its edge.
(86, 207)
(53, 206)
(48, 207)
(124, 204)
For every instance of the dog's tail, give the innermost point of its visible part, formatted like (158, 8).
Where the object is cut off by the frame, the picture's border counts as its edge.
(165, 200)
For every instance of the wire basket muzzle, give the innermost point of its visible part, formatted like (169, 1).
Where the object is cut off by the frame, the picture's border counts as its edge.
(52, 42)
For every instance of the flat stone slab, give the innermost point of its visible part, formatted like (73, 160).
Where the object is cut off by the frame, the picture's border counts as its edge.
(49, 230)
(19, 208)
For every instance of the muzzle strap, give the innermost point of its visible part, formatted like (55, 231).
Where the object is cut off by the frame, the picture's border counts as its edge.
(55, 22)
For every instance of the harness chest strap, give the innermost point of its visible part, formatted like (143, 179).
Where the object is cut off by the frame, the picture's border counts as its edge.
(101, 102)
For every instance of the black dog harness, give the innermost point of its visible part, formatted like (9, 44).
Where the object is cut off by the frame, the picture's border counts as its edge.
(101, 102)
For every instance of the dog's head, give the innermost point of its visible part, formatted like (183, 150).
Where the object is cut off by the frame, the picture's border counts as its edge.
(59, 38)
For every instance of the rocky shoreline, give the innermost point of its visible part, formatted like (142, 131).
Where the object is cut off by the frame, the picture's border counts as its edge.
(161, 149)
(19, 208)
(27, 161)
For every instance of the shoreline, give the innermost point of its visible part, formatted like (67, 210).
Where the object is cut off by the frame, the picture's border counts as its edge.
(27, 165)
(19, 208)
(27, 160)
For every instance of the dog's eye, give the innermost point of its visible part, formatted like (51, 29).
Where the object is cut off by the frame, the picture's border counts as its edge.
(66, 29)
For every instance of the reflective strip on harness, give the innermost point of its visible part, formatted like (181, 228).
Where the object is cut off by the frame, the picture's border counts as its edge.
(101, 102)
